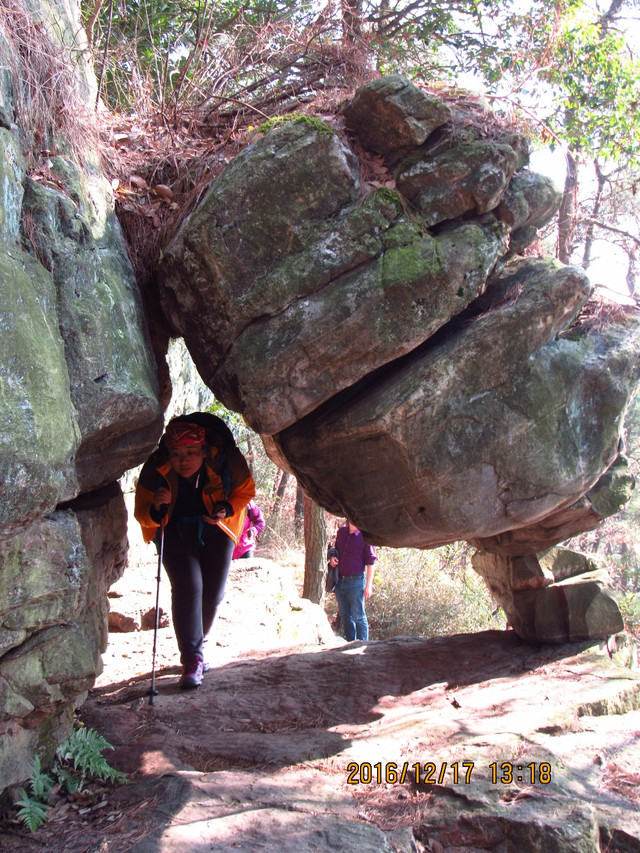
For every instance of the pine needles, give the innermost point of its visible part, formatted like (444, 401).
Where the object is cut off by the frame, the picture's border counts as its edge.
(49, 102)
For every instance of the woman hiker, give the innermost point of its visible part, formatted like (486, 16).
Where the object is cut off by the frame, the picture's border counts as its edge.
(193, 490)
(253, 527)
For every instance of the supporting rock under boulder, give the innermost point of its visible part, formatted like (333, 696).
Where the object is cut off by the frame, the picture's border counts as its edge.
(561, 597)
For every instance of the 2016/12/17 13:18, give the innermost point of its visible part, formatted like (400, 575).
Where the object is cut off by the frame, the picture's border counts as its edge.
(443, 772)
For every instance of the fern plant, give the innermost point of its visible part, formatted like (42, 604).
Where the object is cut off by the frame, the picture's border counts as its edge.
(83, 750)
(32, 812)
(32, 808)
(41, 782)
(78, 759)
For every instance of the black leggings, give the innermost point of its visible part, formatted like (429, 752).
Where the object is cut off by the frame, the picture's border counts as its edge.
(198, 574)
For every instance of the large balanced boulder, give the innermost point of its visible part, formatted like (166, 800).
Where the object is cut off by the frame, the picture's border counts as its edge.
(285, 264)
(387, 339)
(502, 422)
(293, 280)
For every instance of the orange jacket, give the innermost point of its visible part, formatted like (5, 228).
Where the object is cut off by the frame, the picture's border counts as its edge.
(157, 472)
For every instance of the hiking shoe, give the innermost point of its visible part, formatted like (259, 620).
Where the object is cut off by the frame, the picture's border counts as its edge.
(191, 674)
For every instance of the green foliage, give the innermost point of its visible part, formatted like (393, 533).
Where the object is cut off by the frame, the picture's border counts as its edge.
(436, 40)
(79, 760)
(40, 782)
(264, 471)
(599, 114)
(32, 807)
(169, 54)
(629, 603)
(174, 55)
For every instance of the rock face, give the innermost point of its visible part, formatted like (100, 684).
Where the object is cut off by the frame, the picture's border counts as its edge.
(78, 406)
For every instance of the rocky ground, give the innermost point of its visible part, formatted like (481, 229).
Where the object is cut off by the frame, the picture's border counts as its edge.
(297, 741)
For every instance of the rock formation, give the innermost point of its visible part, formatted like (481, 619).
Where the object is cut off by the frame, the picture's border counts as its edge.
(393, 350)
(78, 406)
(387, 342)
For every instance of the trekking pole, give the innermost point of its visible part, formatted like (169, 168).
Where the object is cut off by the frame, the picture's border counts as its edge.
(152, 691)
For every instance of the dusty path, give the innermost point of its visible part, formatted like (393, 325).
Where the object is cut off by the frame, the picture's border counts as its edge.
(306, 746)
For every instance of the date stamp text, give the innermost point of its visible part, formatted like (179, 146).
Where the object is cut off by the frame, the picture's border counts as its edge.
(443, 773)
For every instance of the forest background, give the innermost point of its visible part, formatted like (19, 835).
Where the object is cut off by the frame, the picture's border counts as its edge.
(185, 84)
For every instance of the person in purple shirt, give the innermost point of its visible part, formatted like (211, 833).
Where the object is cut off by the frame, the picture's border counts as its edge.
(355, 585)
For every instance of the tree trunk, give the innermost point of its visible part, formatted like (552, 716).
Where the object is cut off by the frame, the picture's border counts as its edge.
(91, 21)
(282, 485)
(595, 212)
(632, 270)
(567, 212)
(315, 551)
(250, 452)
(299, 512)
(278, 497)
(383, 11)
(351, 21)
(276, 483)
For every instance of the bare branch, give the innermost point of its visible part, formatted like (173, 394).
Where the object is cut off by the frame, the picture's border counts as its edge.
(606, 227)
(91, 20)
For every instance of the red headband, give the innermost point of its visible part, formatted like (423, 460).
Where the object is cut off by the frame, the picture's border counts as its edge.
(183, 433)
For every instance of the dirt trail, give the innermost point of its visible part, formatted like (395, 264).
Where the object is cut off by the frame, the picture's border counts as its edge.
(298, 741)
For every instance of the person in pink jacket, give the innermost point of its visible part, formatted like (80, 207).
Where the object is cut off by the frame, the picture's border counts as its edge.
(253, 527)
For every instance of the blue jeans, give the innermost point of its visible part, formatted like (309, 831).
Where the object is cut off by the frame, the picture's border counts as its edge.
(350, 596)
